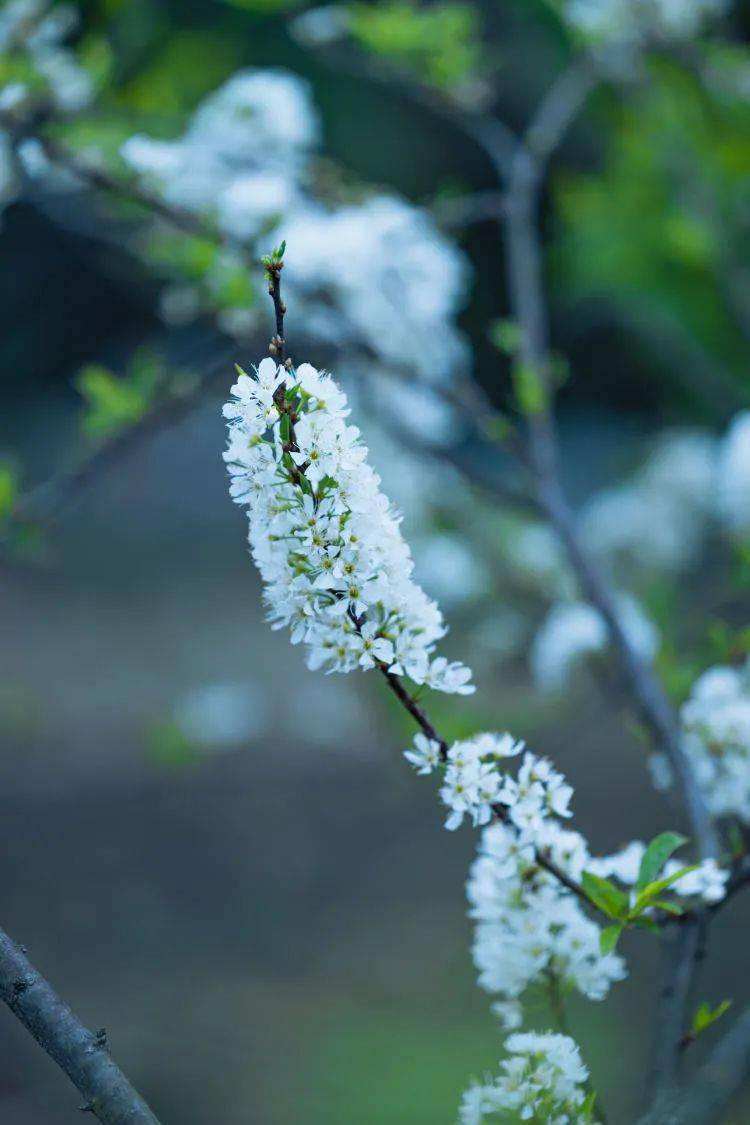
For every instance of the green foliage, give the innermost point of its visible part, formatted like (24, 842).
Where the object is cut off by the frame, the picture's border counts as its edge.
(113, 402)
(181, 70)
(705, 1016)
(506, 335)
(438, 44)
(616, 904)
(187, 256)
(264, 7)
(169, 746)
(661, 229)
(605, 895)
(273, 261)
(609, 938)
(8, 491)
(656, 855)
(529, 389)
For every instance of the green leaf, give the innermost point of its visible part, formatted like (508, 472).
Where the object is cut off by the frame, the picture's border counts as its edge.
(609, 938)
(506, 335)
(587, 1109)
(111, 403)
(284, 427)
(656, 855)
(605, 895)
(8, 491)
(705, 1016)
(439, 43)
(653, 890)
(666, 905)
(531, 394)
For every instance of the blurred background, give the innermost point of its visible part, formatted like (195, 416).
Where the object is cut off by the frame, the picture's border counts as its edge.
(213, 852)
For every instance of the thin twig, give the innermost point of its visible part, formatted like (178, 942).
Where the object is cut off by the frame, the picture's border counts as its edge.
(83, 1055)
(45, 502)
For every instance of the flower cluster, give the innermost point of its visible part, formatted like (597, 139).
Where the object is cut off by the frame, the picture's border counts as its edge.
(245, 163)
(716, 725)
(634, 20)
(528, 922)
(543, 1079)
(336, 568)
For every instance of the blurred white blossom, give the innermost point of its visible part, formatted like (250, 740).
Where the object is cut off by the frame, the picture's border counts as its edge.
(716, 726)
(733, 476)
(633, 20)
(573, 631)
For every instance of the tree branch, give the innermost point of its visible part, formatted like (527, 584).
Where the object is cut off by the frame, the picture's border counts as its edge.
(80, 1053)
(716, 1083)
(524, 271)
(44, 502)
(683, 950)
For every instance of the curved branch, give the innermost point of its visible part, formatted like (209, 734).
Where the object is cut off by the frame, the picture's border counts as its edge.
(83, 1055)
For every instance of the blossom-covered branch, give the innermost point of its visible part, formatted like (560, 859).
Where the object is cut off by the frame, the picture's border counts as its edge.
(338, 574)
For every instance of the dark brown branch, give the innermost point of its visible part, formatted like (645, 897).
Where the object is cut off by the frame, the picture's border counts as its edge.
(277, 347)
(80, 1053)
(501, 812)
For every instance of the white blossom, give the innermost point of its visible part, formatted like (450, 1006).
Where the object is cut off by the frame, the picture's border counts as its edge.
(659, 517)
(377, 275)
(542, 1079)
(716, 736)
(336, 568)
(575, 630)
(425, 756)
(634, 20)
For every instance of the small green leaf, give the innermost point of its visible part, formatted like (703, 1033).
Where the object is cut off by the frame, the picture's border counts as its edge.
(656, 855)
(531, 394)
(653, 890)
(8, 491)
(609, 938)
(666, 905)
(506, 335)
(605, 895)
(284, 427)
(587, 1109)
(705, 1016)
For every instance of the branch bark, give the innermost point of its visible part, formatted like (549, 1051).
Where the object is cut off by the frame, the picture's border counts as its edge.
(524, 272)
(80, 1053)
(683, 950)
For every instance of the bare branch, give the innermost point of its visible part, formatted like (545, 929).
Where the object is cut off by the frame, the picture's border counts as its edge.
(44, 502)
(80, 1053)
